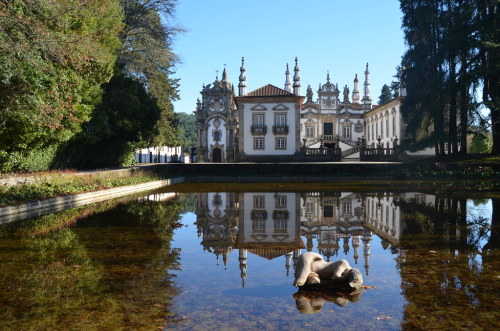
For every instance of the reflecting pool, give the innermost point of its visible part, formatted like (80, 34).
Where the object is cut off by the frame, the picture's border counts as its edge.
(224, 259)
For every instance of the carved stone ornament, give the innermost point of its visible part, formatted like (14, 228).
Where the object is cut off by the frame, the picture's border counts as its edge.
(217, 105)
(217, 134)
(327, 102)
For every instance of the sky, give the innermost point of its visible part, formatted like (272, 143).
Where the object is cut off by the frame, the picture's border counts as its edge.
(339, 36)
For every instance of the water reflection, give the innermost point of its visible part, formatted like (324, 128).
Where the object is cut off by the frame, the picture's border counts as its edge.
(273, 225)
(104, 266)
(311, 302)
(431, 259)
(414, 227)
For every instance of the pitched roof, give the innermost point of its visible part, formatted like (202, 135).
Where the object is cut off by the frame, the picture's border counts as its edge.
(268, 253)
(269, 91)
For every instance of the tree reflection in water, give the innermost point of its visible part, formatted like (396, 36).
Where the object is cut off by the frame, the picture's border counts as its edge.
(448, 279)
(115, 269)
(445, 254)
(108, 271)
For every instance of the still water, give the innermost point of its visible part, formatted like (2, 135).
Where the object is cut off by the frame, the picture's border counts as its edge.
(224, 259)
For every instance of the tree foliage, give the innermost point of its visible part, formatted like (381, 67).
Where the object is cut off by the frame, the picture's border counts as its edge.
(453, 48)
(147, 57)
(187, 131)
(385, 95)
(124, 121)
(480, 144)
(53, 57)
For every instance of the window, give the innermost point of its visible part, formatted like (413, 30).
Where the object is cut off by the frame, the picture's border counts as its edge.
(280, 218)
(258, 218)
(381, 128)
(387, 127)
(280, 119)
(328, 129)
(258, 119)
(258, 201)
(280, 201)
(309, 132)
(217, 200)
(347, 207)
(258, 225)
(347, 132)
(217, 135)
(309, 207)
(280, 143)
(258, 143)
(328, 211)
(394, 126)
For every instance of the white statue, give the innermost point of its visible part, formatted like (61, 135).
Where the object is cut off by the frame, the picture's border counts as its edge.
(311, 268)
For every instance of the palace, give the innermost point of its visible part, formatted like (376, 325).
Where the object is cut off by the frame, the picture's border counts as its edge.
(272, 124)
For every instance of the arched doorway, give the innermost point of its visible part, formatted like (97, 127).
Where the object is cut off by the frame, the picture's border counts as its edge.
(217, 155)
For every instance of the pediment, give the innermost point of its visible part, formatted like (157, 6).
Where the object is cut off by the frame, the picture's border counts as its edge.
(258, 107)
(280, 107)
(259, 237)
(281, 237)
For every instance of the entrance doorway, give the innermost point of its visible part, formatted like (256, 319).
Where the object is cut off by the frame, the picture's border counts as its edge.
(328, 129)
(217, 155)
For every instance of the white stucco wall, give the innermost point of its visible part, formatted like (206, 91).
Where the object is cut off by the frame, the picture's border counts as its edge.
(269, 137)
(269, 207)
(212, 128)
(161, 154)
(376, 125)
(216, 211)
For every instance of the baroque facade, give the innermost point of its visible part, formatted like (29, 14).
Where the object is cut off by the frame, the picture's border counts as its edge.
(278, 124)
(281, 225)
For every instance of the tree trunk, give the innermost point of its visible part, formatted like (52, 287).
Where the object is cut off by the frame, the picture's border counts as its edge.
(494, 241)
(452, 134)
(491, 86)
(464, 103)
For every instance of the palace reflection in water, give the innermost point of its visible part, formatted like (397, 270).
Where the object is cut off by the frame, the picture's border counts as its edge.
(276, 224)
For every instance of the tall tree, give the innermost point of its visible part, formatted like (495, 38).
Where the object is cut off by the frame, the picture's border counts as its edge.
(385, 95)
(147, 57)
(488, 12)
(53, 57)
(123, 122)
(455, 45)
(423, 76)
(395, 83)
(136, 110)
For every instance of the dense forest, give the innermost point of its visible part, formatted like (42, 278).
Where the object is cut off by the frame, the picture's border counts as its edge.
(83, 83)
(451, 70)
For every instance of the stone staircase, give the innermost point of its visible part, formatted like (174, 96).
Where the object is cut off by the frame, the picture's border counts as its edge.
(312, 141)
(350, 151)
